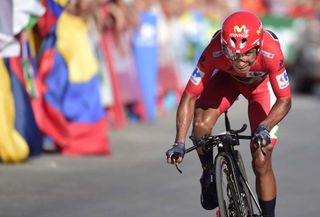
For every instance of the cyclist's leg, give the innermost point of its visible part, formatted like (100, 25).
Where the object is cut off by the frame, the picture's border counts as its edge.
(215, 99)
(260, 103)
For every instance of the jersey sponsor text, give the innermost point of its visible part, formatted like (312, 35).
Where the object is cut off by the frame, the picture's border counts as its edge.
(196, 76)
(283, 80)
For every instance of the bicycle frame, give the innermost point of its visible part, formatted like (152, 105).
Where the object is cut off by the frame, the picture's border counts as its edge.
(227, 149)
(225, 144)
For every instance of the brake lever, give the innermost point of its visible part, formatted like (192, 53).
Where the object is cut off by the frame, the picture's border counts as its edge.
(176, 165)
(260, 146)
(174, 158)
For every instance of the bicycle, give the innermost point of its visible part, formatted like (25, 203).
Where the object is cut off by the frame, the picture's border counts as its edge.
(233, 190)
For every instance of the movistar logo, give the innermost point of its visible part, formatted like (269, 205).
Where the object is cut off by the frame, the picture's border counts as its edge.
(240, 31)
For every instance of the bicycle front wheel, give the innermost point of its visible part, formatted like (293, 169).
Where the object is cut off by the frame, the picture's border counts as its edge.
(227, 183)
(245, 194)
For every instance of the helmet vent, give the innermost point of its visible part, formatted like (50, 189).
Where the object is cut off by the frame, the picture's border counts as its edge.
(233, 42)
(243, 43)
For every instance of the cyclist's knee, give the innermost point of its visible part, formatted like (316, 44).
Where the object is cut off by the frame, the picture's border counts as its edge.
(203, 121)
(261, 165)
(201, 128)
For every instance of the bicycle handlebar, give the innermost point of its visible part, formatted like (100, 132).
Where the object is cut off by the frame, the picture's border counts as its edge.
(216, 139)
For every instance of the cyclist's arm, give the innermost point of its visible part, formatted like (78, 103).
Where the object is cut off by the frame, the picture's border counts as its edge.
(281, 87)
(279, 81)
(184, 116)
(278, 111)
(195, 86)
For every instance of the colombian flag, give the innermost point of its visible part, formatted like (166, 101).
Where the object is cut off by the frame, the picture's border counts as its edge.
(20, 136)
(54, 9)
(68, 107)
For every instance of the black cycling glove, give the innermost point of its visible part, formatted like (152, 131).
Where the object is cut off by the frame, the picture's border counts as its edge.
(261, 133)
(177, 150)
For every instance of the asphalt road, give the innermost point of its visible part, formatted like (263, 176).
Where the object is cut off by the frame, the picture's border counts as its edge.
(136, 182)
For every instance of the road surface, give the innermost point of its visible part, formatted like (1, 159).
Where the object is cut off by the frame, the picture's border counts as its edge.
(136, 182)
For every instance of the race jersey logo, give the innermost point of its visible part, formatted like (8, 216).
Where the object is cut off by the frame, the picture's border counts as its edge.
(196, 76)
(267, 54)
(283, 80)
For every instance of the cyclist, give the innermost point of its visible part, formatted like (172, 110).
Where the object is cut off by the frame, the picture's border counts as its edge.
(242, 58)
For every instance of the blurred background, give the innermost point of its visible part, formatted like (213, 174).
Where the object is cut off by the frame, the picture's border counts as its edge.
(88, 93)
(74, 70)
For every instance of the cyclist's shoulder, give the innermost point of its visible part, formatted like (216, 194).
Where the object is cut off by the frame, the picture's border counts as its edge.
(217, 34)
(269, 35)
(271, 41)
(271, 48)
(214, 47)
(215, 43)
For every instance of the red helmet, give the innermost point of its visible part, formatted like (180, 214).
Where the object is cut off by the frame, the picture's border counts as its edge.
(241, 31)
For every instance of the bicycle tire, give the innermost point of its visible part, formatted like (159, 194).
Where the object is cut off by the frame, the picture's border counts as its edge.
(227, 187)
(246, 197)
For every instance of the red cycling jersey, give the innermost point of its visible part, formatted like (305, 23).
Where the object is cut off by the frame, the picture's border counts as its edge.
(217, 85)
(269, 63)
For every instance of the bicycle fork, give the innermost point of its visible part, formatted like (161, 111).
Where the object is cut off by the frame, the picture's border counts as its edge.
(250, 191)
(232, 189)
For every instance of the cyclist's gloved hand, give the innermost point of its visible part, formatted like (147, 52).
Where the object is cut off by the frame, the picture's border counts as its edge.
(176, 153)
(262, 135)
